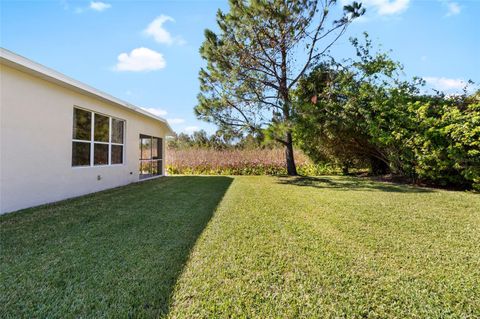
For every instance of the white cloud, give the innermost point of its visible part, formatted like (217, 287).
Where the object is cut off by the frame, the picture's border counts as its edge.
(156, 30)
(191, 129)
(155, 111)
(445, 84)
(95, 6)
(140, 59)
(99, 6)
(176, 121)
(453, 9)
(386, 7)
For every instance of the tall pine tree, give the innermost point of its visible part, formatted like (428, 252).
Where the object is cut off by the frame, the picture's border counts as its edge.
(254, 63)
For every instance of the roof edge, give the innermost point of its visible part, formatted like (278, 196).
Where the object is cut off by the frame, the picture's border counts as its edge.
(21, 63)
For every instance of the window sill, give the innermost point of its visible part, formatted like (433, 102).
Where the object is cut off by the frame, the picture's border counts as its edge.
(94, 166)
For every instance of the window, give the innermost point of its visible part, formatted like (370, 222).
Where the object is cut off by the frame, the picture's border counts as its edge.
(102, 128)
(97, 139)
(80, 154)
(150, 156)
(100, 152)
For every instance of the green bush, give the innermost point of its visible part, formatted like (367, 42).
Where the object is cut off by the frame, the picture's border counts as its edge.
(446, 143)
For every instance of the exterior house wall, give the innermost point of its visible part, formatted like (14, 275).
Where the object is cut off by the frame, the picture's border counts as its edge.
(36, 123)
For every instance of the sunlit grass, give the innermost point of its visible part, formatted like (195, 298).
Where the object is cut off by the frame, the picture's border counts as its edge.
(335, 248)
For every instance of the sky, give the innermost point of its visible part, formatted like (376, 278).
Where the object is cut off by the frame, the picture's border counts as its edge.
(146, 52)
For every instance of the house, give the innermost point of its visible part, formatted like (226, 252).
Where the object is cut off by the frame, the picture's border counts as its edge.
(60, 138)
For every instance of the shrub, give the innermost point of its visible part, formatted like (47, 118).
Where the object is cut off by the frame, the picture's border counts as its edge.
(447, 143)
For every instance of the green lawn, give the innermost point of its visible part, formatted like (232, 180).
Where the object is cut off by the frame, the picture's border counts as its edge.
(266, 247)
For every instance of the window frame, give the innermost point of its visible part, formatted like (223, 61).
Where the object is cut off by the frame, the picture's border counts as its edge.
(92, 141)
(151, 160)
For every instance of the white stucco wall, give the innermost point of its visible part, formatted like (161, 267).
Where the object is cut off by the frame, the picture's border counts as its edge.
(36, 122)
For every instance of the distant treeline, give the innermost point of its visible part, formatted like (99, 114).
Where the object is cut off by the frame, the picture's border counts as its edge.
(219, 141)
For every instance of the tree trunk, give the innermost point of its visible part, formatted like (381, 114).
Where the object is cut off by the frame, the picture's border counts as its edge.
(291, 168)
(285, 96)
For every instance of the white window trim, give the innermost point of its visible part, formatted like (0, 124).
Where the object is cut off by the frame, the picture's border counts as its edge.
(151, 160)
(93, 142)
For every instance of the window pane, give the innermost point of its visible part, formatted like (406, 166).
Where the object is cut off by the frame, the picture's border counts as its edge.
(117, 131)
(160, 148)
(146, 148)
(100, 152)
(157, 167)
(101, 128)
(145, 168)
(154, 148)
(80, 154)
(117, 154)
(82, 124)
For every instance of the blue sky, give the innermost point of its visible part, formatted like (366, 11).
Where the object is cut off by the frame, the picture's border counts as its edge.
(146, 52)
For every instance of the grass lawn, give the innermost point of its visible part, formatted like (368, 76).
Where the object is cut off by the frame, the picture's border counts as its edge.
(186, 247)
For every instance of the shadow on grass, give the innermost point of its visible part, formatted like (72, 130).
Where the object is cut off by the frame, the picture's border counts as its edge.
(351, 183)
(116, 253)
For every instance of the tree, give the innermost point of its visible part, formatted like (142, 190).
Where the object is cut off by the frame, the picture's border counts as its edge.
(362, 111)
(355, 111)
(255, 62)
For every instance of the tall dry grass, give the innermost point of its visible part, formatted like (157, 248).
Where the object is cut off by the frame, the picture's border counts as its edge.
(238, 162)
